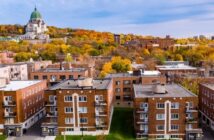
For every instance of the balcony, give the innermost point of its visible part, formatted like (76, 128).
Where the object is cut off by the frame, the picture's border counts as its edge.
(50, 103)
(52, 114)
(142, 121)
(191, 109)
(191, 120)
(100, 103)
(7, 104)
(9, 114)
(143, 110)
(100, 113)
(101, 124)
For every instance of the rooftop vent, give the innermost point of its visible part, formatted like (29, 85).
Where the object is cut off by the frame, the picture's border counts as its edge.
(87, 82)
(159, 89)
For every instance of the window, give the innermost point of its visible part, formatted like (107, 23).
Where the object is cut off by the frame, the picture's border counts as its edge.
(68, 98)
(51, 98)
(126, 89)
(62, 77)
(44, 77)
(174, 127)
(160, 127)
(117, 90)
(69, 121)
(98, 97)
(68, 109)
(143, 105)
(82, 99)
(143, 116)
(35, 77)
(127, 82)
(175, 105)
(143, 127)
(71, 77)
(117, 97)
(83, 109)
(175, 116)
(160, 105)
(160, 137)
(174, 136)
(83, 120)
(160, 116)
(117, 82)
(69, 129)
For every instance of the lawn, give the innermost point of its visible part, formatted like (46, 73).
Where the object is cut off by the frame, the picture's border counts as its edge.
(121, 127)
(2, 137)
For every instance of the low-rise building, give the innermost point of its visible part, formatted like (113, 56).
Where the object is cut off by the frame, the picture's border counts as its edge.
(17, 71)
(206, 104)
(165, 112)
(172, 71)
(123, 84)
(56, 75)
(22, 105)
(79, 106)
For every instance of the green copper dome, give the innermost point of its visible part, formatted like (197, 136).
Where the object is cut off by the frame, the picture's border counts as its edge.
(35, 14)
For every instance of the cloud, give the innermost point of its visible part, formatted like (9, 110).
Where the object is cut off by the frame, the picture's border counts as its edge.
(158, 17)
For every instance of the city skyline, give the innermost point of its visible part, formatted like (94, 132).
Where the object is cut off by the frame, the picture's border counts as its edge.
(178, 18)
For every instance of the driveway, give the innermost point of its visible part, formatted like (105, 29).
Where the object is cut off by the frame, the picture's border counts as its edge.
(208, 133)
(33, 133)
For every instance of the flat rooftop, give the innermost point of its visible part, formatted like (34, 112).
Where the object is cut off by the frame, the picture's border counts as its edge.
(62, 70)
(209, 85)
(176, 67)
(17, 85)
(130, 74)
(173, 90)
(75, 84)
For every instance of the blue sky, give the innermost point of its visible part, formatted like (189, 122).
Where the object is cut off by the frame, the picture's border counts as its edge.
(179, 18)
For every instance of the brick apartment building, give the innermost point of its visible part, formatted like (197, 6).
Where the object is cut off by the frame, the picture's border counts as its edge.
(16, 71)
(123, 85)
(165, 112)
(22, 105)
(55, 75)
(76, 106)
(206, 104)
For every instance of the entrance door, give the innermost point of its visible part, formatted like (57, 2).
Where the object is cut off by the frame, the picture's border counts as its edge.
(51, 131)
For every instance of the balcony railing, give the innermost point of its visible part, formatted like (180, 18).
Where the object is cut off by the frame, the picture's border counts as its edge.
(100, 103)
(191, 120)
(50, 103)
(191, 109)
(52, 114)
(142, 121)
(9, 114)
(100, 114)
(12, 103)
(142, 110)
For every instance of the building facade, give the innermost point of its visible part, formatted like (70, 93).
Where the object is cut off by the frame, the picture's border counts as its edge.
(79, 106)
(206, 104)
(22, 106)
(165, 112)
